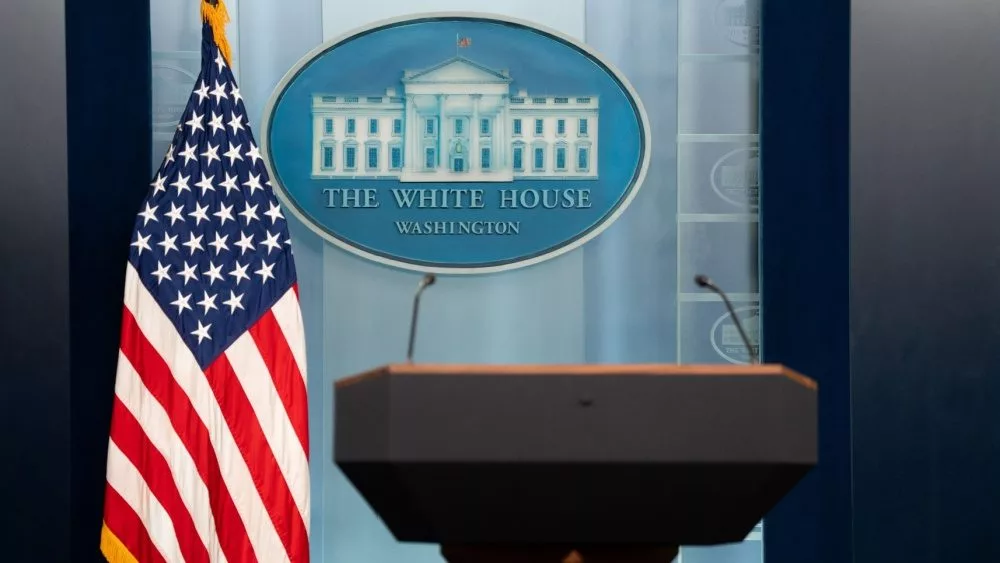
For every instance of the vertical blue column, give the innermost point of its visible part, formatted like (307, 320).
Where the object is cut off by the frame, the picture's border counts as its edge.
(805, 261)
(631, 269)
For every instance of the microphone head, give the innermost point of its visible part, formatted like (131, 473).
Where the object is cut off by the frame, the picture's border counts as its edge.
(702, 280)
(429, 279)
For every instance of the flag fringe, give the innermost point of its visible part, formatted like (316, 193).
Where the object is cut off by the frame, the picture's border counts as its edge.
(113, 549)
(217, 17)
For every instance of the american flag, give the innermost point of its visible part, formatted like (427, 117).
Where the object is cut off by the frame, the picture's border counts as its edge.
(209, 442)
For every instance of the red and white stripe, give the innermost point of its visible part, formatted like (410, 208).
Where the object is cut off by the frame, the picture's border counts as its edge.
(209, 465)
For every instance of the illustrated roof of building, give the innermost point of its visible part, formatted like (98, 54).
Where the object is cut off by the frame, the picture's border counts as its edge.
(457, 69)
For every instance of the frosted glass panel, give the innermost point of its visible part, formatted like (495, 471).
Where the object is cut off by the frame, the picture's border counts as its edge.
(718, 95)
(723, 27)
(717, 196)
(717, 177)
(717, 173)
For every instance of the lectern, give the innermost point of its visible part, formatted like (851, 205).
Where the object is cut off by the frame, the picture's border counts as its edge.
(585, 463)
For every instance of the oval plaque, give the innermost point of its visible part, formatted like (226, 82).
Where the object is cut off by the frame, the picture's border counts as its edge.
(456, 143)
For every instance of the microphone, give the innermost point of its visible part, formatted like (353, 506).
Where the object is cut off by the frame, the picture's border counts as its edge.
(704, 282)
(426, 282)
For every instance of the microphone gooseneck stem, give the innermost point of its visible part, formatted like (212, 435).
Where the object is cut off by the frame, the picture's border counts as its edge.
(413, 324)
(739, 327)
(427, 281)
(703, 281)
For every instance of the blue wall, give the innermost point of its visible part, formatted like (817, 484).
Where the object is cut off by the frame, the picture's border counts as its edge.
(34, 287)
(108, 127)
(925, 280)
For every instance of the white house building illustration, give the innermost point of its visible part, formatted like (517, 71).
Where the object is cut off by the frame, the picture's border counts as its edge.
(455, 122)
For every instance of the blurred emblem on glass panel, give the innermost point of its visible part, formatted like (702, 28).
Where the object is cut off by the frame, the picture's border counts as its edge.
(739, 20)
(726, 336)
(735, 177)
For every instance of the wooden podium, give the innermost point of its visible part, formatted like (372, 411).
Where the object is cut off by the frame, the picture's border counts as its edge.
(574, 463)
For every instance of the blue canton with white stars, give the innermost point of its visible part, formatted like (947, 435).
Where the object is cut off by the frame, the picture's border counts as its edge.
(210, 243)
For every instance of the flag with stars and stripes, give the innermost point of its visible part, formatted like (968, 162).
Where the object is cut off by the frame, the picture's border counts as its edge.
(209, 444)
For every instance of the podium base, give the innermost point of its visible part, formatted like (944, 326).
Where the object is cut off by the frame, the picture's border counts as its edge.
(558, 554)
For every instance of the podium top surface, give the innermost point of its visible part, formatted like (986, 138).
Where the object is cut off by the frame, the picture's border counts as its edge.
(657, 370)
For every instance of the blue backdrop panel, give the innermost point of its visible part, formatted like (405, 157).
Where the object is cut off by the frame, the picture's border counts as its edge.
(623, 297)
(108, 108)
